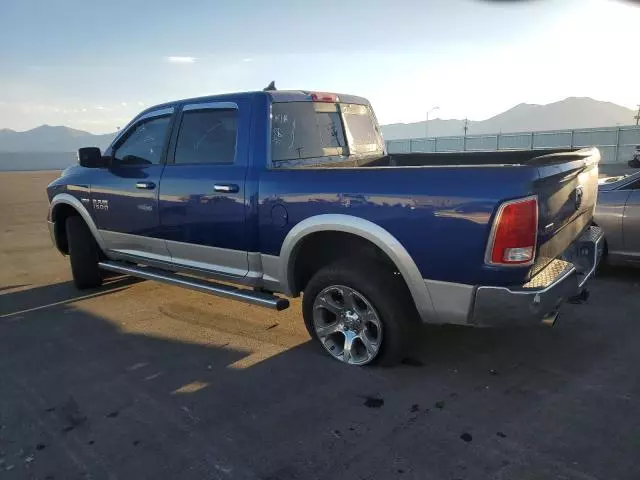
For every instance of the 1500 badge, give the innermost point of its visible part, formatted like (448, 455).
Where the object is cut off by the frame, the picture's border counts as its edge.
(100, 204)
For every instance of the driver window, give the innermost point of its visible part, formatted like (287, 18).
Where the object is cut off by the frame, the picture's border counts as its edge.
(207, 136)
(143, 144)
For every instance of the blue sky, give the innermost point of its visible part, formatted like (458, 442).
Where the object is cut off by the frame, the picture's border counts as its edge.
(93, 64)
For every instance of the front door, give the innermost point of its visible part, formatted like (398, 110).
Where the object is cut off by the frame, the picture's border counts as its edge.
(125, 197)
(202, 193)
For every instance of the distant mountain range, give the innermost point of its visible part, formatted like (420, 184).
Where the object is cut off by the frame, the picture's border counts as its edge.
(572, 112)
(50, 139)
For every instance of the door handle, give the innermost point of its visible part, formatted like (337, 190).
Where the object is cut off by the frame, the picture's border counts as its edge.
(146, 185)
(227, 188)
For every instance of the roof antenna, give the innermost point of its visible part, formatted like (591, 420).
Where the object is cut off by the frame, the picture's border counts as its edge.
(271, 87)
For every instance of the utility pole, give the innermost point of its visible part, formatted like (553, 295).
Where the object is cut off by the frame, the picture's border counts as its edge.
(426, 125)
(464, 139)
(637, 117)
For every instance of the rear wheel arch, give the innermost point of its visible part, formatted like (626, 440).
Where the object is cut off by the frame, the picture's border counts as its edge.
(360, 232)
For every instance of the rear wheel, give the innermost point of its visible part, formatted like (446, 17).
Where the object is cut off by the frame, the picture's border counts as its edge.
(360, 312)
(84, 254)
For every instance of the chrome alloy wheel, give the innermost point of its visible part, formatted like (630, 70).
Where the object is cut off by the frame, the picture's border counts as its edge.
(347, 325)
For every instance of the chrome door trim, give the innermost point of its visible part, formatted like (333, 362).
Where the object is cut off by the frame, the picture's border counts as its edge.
(138, 245)
(221, 260)
(367, 230)
(210, 106)
(67, 199)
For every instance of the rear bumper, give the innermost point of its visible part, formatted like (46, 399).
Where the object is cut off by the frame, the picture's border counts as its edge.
(529, 304)
(541, 297)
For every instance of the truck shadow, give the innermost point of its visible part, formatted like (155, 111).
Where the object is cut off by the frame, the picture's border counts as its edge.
(14, 303)
(84, 394)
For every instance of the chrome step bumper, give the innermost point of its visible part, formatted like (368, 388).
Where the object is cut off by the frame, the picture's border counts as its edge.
(543, 295)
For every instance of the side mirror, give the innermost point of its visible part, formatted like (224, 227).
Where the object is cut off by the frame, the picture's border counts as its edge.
(91, 157)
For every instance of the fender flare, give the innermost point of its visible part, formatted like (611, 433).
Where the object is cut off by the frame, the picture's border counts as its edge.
(65, 198)
(368, 231)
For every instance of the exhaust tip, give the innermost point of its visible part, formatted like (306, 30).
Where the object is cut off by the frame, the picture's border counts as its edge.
(550, 320)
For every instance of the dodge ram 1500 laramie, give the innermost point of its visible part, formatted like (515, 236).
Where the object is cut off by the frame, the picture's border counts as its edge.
(259, 196)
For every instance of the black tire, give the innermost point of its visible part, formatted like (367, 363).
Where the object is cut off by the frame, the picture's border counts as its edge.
(384, 290)
(83, 254)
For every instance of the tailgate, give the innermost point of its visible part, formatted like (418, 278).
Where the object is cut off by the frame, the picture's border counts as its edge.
(567, 189)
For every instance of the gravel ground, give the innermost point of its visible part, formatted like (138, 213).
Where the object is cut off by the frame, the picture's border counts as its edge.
(142, 380)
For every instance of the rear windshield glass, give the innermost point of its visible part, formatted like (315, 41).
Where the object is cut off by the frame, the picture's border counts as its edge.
(311, 130)
(306, 130)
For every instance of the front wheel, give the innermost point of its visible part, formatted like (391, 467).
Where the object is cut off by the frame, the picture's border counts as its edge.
(360, 312)
(83, 254)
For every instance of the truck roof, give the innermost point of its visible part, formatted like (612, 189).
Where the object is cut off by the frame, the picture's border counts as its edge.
(275, 95)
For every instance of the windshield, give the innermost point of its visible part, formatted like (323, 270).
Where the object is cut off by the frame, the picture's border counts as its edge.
(311, 130)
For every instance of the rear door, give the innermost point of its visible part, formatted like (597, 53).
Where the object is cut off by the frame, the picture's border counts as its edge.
(125, 197)
(202, 190)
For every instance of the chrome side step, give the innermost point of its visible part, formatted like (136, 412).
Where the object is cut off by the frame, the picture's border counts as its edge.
(227, 291)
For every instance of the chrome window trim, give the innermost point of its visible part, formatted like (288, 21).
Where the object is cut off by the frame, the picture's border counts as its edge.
(210, 106)
(155, 113)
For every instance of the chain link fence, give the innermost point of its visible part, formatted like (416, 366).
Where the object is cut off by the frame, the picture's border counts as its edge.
(616, 144)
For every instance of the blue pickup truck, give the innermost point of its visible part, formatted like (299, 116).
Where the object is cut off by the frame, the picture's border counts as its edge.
(260, 196)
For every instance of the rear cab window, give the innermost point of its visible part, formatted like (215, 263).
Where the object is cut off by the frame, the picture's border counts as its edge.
(322, 134)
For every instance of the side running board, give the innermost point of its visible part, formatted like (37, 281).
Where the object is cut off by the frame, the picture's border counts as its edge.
(227, 291)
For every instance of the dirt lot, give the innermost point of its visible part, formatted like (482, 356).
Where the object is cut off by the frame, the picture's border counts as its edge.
(141, 380)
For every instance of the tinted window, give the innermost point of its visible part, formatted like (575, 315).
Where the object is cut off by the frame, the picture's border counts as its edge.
(306, 130)
(207, 136)
(144, 142)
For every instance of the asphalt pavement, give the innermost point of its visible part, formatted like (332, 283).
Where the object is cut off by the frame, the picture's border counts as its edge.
(142, 380)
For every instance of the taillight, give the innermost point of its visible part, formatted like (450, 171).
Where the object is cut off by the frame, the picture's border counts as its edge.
(324, 97)
(513, 236)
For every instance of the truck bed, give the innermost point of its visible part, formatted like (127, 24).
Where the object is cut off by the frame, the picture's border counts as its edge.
(504, 157)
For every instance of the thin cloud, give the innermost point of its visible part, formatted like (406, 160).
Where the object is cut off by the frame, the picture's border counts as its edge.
(247, 60)
(180, 60)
